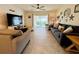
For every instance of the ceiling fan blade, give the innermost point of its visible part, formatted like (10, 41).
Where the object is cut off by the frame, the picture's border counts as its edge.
(37, 7)
(42, 6)
(34, 6)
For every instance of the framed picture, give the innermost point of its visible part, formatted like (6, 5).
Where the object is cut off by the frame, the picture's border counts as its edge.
(76, 8)
(67, 12)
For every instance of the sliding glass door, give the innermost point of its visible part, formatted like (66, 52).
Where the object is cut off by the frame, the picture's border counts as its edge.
(40, 21)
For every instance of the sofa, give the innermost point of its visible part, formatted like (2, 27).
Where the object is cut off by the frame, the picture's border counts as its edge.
(13, 41)
(60, 36)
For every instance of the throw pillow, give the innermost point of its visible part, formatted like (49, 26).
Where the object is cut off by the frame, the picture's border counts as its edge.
(68, 30)
(61, 28)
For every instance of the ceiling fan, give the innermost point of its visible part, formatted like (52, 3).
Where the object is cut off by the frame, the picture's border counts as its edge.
(38, 7)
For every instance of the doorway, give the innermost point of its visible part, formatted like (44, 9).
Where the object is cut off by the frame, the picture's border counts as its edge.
(40, 21)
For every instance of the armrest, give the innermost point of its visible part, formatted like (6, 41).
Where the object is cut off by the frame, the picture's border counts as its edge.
(13, 33)
(11, 37)
(5, 37)
(5, 44)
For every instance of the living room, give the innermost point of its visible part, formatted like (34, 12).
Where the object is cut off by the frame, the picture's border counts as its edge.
(17, 28)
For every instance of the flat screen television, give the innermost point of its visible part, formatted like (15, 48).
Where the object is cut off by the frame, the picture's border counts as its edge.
(14, 20)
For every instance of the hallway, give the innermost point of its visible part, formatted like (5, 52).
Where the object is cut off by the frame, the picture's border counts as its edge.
(43, 42)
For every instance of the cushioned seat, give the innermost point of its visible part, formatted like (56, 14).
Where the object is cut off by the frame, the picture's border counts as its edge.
(11, 32)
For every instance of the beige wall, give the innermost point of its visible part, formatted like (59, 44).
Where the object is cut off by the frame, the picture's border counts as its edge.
(3, 20)
(3, 17)
(28, 22)
(54, 13)
(53, 16)
(76, 15)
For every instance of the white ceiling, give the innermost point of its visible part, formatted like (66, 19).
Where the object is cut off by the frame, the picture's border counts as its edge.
(48, 7)
(28, 7)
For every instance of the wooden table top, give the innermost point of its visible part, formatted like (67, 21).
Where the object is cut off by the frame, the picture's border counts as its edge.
(74, 38)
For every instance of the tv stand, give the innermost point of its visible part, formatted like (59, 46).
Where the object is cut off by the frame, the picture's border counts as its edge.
(23, 29)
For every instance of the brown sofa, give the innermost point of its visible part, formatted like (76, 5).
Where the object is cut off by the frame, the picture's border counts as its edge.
(13, 41)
